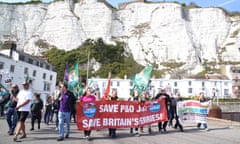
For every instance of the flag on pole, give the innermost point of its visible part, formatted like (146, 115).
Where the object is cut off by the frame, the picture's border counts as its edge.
(27, 78)
(107, 90)
(141, 80)
(65, 79)
(73, 77)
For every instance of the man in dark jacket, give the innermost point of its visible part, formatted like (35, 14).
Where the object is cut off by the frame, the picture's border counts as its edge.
(36, 110)
(163, 94)
(11, 114)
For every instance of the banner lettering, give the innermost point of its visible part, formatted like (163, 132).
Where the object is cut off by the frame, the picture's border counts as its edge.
(119, 114)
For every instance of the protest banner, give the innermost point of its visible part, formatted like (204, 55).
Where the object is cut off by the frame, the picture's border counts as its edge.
(192, 111)
(119, 114)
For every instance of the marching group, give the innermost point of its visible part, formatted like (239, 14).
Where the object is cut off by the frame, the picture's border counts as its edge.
(62, 108)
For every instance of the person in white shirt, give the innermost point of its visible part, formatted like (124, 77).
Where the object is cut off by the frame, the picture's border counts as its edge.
(24, 99)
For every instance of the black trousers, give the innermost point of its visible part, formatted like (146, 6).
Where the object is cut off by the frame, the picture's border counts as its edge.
(36, 116)
(87, 132)
(112, 132)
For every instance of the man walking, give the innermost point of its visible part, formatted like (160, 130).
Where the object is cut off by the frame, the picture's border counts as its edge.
(11, 114)
(23, 108)
(67, 101)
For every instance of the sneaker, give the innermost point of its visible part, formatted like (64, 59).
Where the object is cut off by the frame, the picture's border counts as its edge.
(31, 129)
(11, 133)
(66, 136)
(113, 136)
(88, 138)
(206, 129)
(15, 138)
(160, 131)
(137, 134)
(60, 138)
(23, 136)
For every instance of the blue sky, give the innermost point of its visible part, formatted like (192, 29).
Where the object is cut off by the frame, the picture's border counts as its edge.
(230, 5)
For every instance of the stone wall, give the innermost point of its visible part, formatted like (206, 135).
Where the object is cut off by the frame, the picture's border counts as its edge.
(230, 106)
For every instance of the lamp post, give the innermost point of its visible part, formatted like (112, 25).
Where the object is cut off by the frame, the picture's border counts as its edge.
(87, 66)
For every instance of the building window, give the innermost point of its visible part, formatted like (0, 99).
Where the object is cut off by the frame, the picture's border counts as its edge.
(47, 67)
(25, 71)
(46, 87)
(21, 57)
(51, 77)
(30, 61)
(226, 92)
(225, 83)
(189, 83)
(175, 91)
(34, 73)
(12, 67)
(118, 83)
(37, 63)
(175, 84)
(41, 64)
(190, 90)
(160, 84)
(44, 76)
(111, 83)
(203, 84)
(1, 65)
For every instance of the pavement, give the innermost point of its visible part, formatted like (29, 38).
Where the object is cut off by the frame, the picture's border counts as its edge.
(220, 132)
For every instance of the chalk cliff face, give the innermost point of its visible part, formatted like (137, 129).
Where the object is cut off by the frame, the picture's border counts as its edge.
(153, 32)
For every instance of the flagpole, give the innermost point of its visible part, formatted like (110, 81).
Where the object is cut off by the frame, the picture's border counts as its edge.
(87, 67)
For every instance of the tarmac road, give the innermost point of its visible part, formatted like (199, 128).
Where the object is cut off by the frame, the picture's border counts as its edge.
(220, 132)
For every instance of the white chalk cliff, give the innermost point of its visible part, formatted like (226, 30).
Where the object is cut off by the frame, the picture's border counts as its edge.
(153, 32)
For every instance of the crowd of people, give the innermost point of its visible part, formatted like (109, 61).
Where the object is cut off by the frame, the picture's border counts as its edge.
(61, 107)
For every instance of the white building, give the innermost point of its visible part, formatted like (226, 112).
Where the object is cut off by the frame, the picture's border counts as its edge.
(16, 65)
(220, 87)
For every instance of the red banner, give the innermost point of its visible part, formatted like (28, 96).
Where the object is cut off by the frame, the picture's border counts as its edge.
(119, 114)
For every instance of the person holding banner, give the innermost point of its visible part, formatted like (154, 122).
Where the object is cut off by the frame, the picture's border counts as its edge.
(173, 111)
(165, 96)
(135, 97)
(113, 97)
(87, 97)
(144, 99)
(202, 99)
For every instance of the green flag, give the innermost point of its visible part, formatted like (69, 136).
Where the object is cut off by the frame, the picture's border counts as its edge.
(141, 80)
(1, 86)
(27, 79)
(74, 84)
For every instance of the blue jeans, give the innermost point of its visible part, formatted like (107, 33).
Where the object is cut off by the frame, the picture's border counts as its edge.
(11, 117)
(63, 117)
(204, 125)
(47, 117)
(56, 118)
